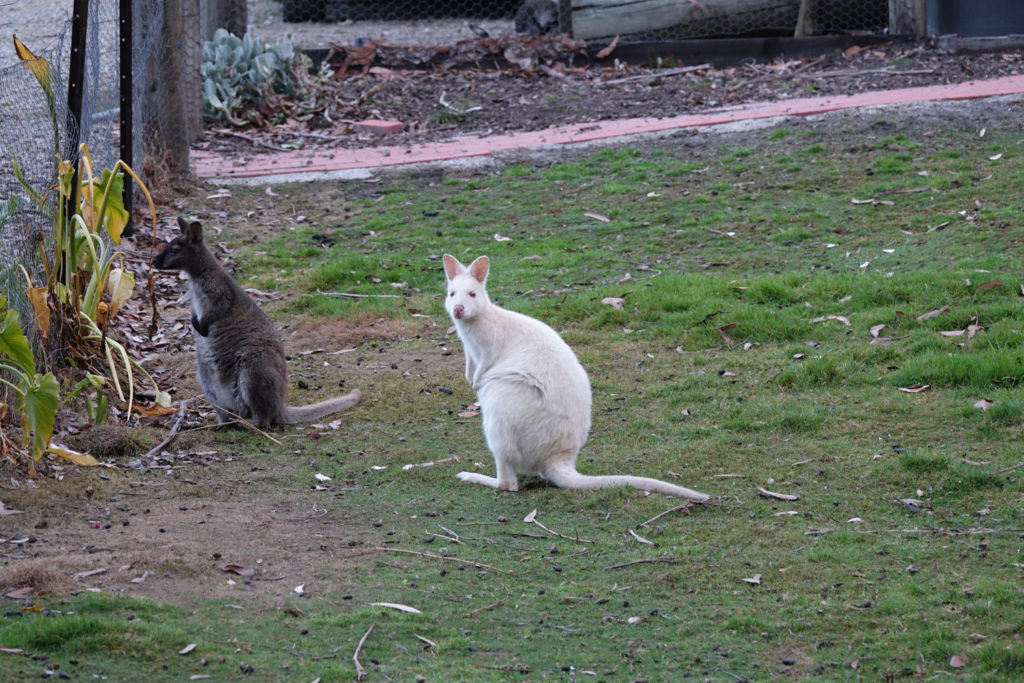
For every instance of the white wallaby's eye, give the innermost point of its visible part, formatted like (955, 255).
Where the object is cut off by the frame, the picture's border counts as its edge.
(473, 294)
(451, 293)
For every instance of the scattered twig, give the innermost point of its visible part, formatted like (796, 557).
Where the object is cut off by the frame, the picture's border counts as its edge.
(857, 72)
(485, 608)
(237, 419)
(360, 671)
(655, 74)
(1010, 468)
(939, 530)
(351, 295)
(472, 563)
(532, 517)
(251, 139)
(646, 560)
(913, 190)
(551, 72)
(677, 508)
(458, 110)
(446, 538)
(170, 435)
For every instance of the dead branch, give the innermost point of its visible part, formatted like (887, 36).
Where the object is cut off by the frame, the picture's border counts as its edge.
(245, 423)
(350, 295)
(1010, 468)
(251, 139)
(646, 560)
(360, 671)
(532, 518)
(472, 563)
(485, 608)
(677, 508)
(170, 435)
(655, 74)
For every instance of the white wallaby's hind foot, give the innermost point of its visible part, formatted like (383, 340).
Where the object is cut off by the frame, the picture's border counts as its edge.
(474, 478)
(533, 393)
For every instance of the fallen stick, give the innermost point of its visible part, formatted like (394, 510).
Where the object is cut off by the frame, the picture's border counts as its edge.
(170, 435)
(677, 508)
(532, 517)
(655, 74)
(646, 560)
(482, 609)
(473, 563)
(360, 671)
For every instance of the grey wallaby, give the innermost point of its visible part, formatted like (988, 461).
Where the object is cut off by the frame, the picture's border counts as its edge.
(240, 357)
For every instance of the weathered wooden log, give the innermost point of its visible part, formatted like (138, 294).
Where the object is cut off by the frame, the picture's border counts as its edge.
(606, 18)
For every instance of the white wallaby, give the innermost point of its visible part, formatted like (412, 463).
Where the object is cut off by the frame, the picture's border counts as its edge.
(533, 393)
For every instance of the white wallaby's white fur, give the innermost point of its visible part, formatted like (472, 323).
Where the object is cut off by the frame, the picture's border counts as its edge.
(534, 395)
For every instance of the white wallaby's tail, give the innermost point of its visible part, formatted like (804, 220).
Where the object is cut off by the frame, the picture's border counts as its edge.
(314, 411)
(565, 476)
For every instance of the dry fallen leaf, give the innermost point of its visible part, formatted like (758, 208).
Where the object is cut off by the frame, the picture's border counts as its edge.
(916, 389)
(755, 579)
(959, 661)
(238, 569)
(188, 648)
(983, 403)
(608, 49)
(931, 314)
(7, 511)
(530, 517)
(614, 302)
(876, 329)
(398, 606)
(843, 319)
(597, 217)
(501, 238)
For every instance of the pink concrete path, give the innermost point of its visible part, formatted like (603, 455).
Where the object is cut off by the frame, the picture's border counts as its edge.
(212, 166)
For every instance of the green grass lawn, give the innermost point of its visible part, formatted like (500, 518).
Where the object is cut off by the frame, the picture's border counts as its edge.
(817, 314)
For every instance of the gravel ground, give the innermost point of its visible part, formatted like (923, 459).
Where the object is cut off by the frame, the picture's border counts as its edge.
(37, 23)
(266, 23)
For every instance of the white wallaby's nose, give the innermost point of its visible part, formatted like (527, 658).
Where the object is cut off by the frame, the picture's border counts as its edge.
(458, 311)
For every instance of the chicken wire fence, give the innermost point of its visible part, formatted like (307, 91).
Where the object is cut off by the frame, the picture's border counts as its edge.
(631, 20)
(36, 131)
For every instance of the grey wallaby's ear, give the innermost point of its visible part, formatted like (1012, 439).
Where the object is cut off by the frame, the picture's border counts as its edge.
(452, 267)
(195, 232)
(182, 225)
(479, 268)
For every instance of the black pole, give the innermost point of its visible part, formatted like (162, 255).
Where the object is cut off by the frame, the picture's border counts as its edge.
(76, 84)
(126, 114)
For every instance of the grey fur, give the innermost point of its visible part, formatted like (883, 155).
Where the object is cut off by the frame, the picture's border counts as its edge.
(537, 17)
(239, 355)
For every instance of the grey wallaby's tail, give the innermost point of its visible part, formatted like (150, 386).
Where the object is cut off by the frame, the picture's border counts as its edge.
(314, 411)
(564, 475)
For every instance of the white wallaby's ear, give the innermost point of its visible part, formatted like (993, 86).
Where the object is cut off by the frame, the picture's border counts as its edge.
(479, 269)
(452, 267)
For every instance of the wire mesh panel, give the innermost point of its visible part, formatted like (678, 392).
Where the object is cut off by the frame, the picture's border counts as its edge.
(631, 20)
(34, 137)
(37, 130)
